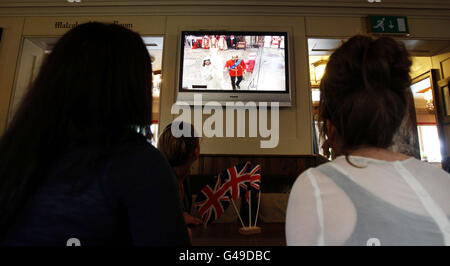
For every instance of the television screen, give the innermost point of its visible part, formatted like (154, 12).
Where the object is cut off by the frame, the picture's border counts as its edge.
(236, 62)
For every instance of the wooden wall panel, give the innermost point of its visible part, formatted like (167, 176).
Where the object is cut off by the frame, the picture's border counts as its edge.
(278, 172)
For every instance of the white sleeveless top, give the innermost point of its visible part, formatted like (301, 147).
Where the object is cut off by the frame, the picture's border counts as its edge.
(384, 203)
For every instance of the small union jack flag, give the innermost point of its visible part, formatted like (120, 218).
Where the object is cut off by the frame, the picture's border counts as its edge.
(214, 198)
(255, 178)
(254, 183)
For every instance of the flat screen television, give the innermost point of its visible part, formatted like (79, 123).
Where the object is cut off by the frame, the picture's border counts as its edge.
(237, 66)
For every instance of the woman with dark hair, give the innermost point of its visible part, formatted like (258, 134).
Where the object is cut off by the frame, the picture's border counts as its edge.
(368, 195)
(72, 164)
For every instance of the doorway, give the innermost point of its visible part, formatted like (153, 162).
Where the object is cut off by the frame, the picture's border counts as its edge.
(35, 49)
(425, 107)
(426, 142)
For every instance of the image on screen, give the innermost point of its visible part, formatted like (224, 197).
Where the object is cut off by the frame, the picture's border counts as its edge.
(235, 61)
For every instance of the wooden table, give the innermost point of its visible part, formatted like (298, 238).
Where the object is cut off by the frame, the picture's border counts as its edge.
(227, 234)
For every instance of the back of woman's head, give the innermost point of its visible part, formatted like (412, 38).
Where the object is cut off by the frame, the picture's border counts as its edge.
(97, 76)
(91, 90)
(364, 91)
(178, 150)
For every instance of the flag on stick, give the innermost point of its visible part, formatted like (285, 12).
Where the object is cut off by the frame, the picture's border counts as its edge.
(228, 185)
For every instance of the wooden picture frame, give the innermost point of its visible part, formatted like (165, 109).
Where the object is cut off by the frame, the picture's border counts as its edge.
(444, 90)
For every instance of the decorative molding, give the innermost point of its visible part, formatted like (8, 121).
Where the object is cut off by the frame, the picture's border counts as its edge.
(418, 8)
(437, 4)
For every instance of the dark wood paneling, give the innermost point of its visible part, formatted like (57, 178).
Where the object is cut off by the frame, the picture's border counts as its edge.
(227, 234)
(278, 172)
(287, 165)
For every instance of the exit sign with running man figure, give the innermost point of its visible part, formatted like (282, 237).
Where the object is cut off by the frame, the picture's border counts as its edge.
(388, 25)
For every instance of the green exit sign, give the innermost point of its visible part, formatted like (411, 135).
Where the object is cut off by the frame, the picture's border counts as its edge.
(388, 24)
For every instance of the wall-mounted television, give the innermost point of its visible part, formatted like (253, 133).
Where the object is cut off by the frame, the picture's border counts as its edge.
(234, 66)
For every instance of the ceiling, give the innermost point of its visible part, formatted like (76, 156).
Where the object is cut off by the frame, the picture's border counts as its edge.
(47, 43)
(154, 46)
(389, 3)
(424, 8)
(415, 47)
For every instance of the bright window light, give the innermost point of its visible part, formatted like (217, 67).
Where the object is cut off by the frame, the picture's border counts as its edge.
(315, 95)
(431, 146)
(421, 85)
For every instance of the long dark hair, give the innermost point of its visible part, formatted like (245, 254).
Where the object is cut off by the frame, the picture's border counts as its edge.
(93, 90)
(364, 91)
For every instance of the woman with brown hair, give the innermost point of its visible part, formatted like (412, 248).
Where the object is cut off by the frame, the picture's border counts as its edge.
(181, 153)
(368, 195)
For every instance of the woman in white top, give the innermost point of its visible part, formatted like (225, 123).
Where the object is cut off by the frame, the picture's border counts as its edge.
(368, 195)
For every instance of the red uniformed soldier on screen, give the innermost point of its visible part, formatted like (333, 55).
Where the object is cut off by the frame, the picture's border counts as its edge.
(236, 67)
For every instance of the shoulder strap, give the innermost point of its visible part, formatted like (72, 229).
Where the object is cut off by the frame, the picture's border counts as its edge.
(236, 64)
